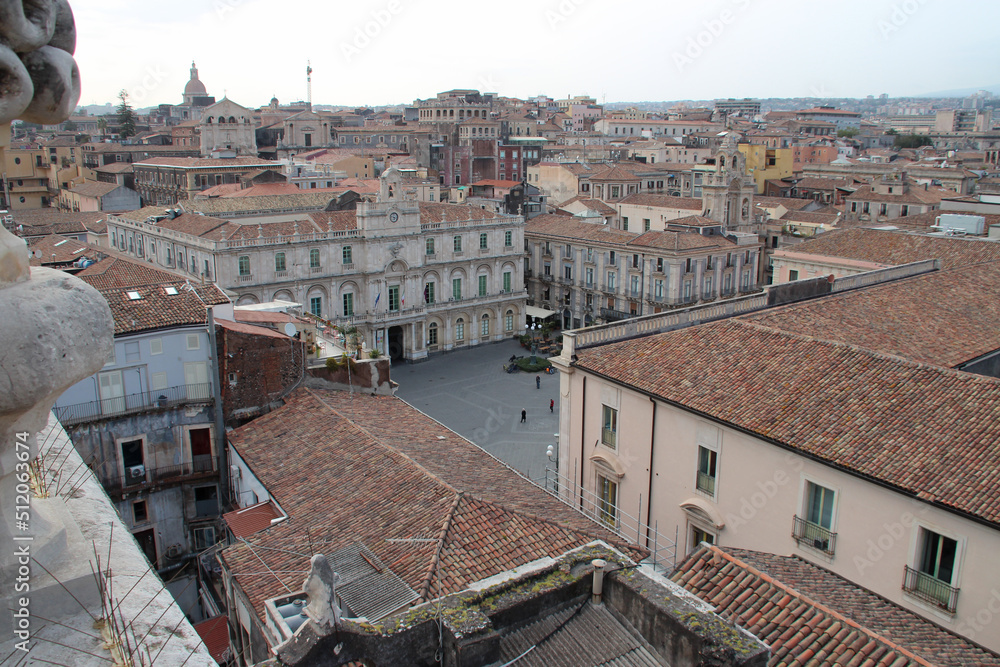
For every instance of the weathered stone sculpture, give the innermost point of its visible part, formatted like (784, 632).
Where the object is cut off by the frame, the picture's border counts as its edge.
(39, 80)
(320, 585)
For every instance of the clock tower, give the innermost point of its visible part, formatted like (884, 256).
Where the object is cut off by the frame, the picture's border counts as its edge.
(394, 213)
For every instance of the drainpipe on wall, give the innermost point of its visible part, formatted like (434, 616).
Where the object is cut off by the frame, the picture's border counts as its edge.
(220, 422)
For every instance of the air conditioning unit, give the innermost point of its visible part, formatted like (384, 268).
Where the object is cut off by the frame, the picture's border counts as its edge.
(822, 545)
(236, 472)
(136, 474)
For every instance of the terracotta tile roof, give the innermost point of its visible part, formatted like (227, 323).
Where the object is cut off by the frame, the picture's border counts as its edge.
(249, 520)
(269, 189)
(55, 249)
(815, 217)
(115, 168)
(614, 173)
(808, 615)
(572, 228)
(94, 188)
(682, 241)
(663, 201)
(240, 327)
(790, 203)
(854, 408)
(431, 212)
(938, 318)
(215, 633)
(51, 216)
(116, 278)
(815, 183)
(334, 220)
(218, 190)
(592, 204)
(437, 510)
(117, 272)
(889, 248)
(204, 162)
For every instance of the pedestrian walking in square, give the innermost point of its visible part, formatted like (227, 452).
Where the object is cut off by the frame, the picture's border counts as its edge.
(538, 382)
(524, 416)
(552, 404)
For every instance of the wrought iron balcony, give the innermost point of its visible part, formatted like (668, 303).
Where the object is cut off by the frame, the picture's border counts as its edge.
(930, 589)
(139, 478)
(814, 536)
(120, 406)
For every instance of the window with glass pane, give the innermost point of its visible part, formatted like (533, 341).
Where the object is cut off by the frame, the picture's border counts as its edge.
(938, 556)
(316, 306)
(485, 331)
(456, 288)
(430, 246)
(348, 255)
(393, 298)
(458, 244)
(432, 334)
(819, 510)
(707, 460)
(348, 304)
(482, 285)
(612, 277)
(314, 258)
(568, 271)
(609, 431)
(483, 241)
(460, 329)
(428, 292)
(935, 571)
(635, 285)
(244, 265)
(508, 321)
(590, 276)
(279, 261)
(508, 238)
(506, 281)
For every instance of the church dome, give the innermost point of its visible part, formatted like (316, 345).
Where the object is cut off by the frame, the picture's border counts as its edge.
(194, 87)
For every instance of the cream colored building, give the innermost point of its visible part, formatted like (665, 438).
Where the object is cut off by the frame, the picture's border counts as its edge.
(414, 277)
(874, 463)
(226, 127)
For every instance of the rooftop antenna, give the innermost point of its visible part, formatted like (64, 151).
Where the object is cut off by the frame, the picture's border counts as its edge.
(309, 85)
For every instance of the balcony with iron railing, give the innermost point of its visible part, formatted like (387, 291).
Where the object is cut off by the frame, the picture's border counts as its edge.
(119, 406)
(930, 589)
(814, 536)
(138, 479)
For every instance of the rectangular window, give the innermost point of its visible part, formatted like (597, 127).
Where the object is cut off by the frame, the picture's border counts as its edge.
(460, 329)
(482, 285)
(508, 321)
(483, 241)
(206, 501)
(612, 279)
(244, 262)
(707, 461)
(568, 272)
(314, 258)
(347, 254)
(508, 238)
(645, 224)
(793, 274)
(609, 429)
(429, 292)
(430, 246)
(457, 244)
(815, 528)
(658, 289)
(485, 326)
(456, 289)
(625, 222)
(348, 304)
(203, 538)
(316, 306)
(607, 492)
(506, 282)
(590, 276)
(394, 298)
(132, 351)
(432, 334)
(139, 512)
(193, 342)
(158, 380)
(612, 258)
(936, 566)
(634, 286)
(279, 261)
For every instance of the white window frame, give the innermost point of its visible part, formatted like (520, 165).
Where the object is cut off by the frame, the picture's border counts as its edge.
(155, 346)
(196, 338)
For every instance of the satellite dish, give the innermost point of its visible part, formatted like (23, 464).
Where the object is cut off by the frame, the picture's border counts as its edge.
(290, 330)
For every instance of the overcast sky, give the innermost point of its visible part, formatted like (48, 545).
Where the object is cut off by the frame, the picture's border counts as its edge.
(394, 51)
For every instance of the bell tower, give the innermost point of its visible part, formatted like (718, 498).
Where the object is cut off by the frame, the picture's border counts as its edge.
(728, 192)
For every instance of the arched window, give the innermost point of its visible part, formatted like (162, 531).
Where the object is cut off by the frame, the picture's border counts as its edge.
(460, 329)
(233, 121)
(734, 162)
(485, 330)
(432, 334)
(209, 120)
(508, 321)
